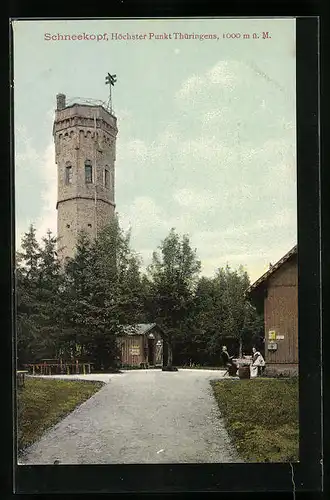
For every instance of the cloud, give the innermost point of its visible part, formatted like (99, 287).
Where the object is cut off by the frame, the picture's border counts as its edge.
(225, 179)
(143, 152)
(194, 200)
(214, 116)
(231, 98)
(137, 149)
(223, 74)
(191, 87)
(251, 245)
(256, 263)
(236, 233)
(48, 216)
(23, 144)
(246, 244)
(142, 215)
(206, 148)
(221, 168)
(45, 168)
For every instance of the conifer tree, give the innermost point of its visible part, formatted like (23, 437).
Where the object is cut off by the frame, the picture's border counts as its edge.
(100, 296)
(26, 284)
(50, 282)
(74, 298)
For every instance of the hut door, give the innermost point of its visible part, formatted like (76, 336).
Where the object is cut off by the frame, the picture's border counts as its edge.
(151, 351)
(159, 353)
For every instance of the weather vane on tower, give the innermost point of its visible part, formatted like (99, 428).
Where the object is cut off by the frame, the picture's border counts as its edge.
(110, 80)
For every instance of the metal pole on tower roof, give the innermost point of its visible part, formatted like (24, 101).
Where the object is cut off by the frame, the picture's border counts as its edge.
(110, 80)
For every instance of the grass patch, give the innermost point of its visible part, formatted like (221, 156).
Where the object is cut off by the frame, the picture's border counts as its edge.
(42, 403)
(262, 417)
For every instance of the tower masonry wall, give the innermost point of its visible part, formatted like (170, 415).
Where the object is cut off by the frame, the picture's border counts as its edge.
(84, 135)
(67, 228)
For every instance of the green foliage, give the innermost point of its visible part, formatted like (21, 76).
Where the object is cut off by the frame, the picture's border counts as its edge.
(101, 292)
(222, 312)
(262, 417)
(38, 278)
(79, 310)
(173, 275)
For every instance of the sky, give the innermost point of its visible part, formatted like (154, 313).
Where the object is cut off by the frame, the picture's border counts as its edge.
(206, 129)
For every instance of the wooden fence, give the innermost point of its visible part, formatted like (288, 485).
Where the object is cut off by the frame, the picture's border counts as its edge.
(61, 368)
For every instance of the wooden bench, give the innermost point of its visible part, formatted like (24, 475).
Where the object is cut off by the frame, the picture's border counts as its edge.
(20, 377)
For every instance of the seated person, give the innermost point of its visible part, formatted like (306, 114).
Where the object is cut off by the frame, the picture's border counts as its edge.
(228, 361)
(258, 362)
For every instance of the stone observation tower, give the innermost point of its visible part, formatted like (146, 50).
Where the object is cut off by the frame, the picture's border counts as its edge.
(85, 153)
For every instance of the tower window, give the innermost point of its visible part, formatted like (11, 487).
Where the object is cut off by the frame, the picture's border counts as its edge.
(106, 178)
(88, 172)
(89, 225)
(68, 174)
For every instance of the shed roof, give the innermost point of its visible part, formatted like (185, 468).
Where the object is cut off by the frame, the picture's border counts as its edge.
(139, 328)
(272, 269)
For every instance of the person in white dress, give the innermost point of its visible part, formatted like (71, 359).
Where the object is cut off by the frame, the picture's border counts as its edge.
(258, 363)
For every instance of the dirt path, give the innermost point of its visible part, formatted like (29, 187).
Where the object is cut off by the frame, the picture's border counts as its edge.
(145, 416)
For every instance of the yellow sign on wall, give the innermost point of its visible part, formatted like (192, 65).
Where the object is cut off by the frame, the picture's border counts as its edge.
(271, 335)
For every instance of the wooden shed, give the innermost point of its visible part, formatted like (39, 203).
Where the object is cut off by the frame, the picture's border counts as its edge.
(275, 294)
(142, 345)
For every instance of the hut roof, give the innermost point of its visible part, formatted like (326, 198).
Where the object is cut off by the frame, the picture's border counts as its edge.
(139, 329)
(262, 280)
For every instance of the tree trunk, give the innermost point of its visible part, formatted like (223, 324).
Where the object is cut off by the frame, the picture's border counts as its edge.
(170, 355)
(240, 348)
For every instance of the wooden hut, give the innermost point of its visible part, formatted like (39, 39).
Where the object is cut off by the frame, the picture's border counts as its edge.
(142, 345)
(275, 294)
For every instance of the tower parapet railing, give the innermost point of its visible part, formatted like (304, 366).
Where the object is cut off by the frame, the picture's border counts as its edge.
(89, 101)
